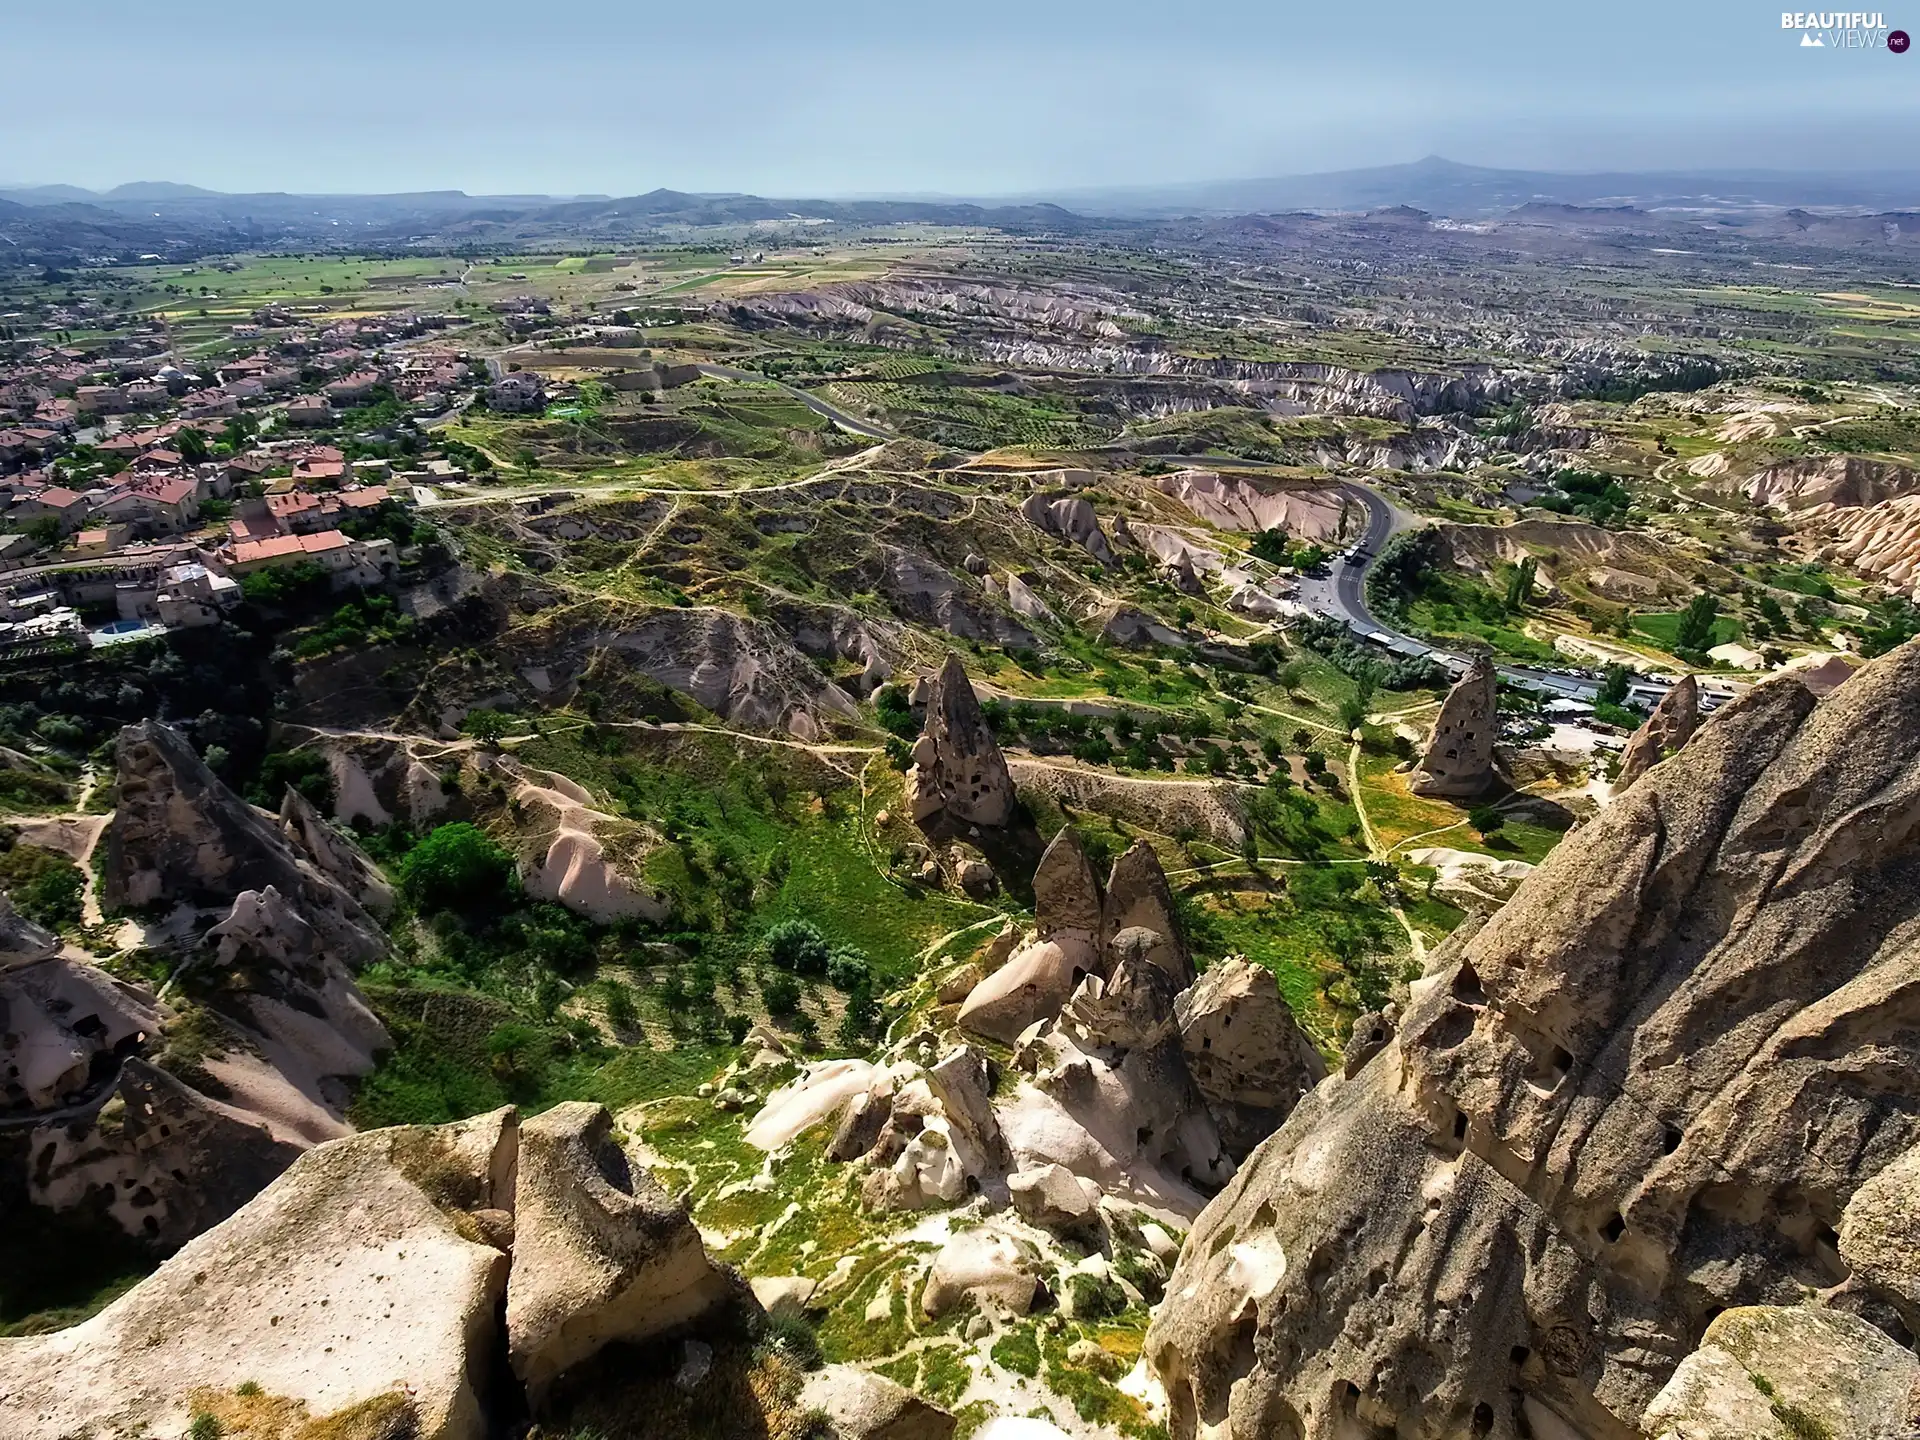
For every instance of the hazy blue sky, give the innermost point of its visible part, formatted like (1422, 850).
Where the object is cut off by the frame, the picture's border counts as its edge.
(985, 96)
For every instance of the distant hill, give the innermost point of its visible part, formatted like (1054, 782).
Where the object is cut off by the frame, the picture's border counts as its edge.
(1446, 187)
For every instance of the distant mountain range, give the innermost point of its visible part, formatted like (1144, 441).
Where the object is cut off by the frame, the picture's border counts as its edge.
(50, 224)
(1447, 188)
(1436, 185)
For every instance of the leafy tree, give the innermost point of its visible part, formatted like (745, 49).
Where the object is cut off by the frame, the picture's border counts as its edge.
(457, 867)
(44, 885)
(1353, 711)
(781, 992)
(798, 947)
(849, 970)
(1613, 685)
(486, 726)
(510, 1046)
(1696, 623)
(622, 1013)
(1485, 819)
(192, 446)
(1520, 583)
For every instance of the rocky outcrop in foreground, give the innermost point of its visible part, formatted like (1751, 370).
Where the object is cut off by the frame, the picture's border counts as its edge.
(958, 774)
(1458, 761)
(166, 1117)
(1644, 1095)
(384, 1277)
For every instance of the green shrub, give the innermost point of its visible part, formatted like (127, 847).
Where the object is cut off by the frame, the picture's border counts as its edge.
(798, 947)
(457, 866)
(45, 885)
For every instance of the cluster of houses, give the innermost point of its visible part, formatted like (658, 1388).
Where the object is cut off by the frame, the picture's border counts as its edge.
(111, 506)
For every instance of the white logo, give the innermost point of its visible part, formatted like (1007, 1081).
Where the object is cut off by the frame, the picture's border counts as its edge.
(1837, 29)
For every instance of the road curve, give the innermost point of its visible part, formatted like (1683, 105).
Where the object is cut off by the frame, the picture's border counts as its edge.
(811, 401)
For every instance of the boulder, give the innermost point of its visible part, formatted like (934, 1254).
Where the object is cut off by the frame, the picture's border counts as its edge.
(1243, 1049)
(820, 1090)
(1662, 733)
(1769, 1373)
(1458, 762)
(1880, 1236)
(351, 1277)
(861, 1405)
(783, 1295)
(64, 1023)
(1643, 1092)
(1031, 986)
(988, 1266)
(958, 773)
(1054, 1198)
(601, 1251)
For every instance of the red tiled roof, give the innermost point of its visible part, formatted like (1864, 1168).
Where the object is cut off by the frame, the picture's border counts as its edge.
(249, 551)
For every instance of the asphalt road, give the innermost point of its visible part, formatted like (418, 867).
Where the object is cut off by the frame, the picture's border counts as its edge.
(1342, 591)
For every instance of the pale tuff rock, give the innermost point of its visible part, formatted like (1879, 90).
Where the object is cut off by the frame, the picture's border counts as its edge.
(1670, 726)
(179, 834)
(1250, 1060)
(1036, 981)
(783, 1295)
(1468, 879)
(1458, 762)
(21, 941)
(1880, 1236)
(1123, 624)
(1238, 503)
(1821, 674)
(988, 1266)
(333, 854)
(817, 1092)
(567, 860)
(1054, 1198)
(1767, 1373)
(1138, 899)
(1643, 1092)
(601, 1252)
(343, 1280)
(169, 1161)
(1022, 600)
(290, 1030)
(861, 1405)
(1033, 984)
(958, 772)
(1069, 518)
(62, 1019)
(1066, 894)
(1864, 514)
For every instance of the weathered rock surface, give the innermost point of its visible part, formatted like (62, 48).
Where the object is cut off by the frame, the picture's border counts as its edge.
(1032, 985)
(347, 1278)
(1069, 518)
(1880, 1236)
(179, 834)
(1458, 762)
(1066, 893)
(1769, 1373)
(162, 1159)
(1054, 1198)
(333, 854)
(1138, 899)
(1235, 502)
(1249, 1058)
(1662, 733)
(861, 1405)
(1641, 1094)
(958, 773)
(601, 1252)
(987, 1266)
